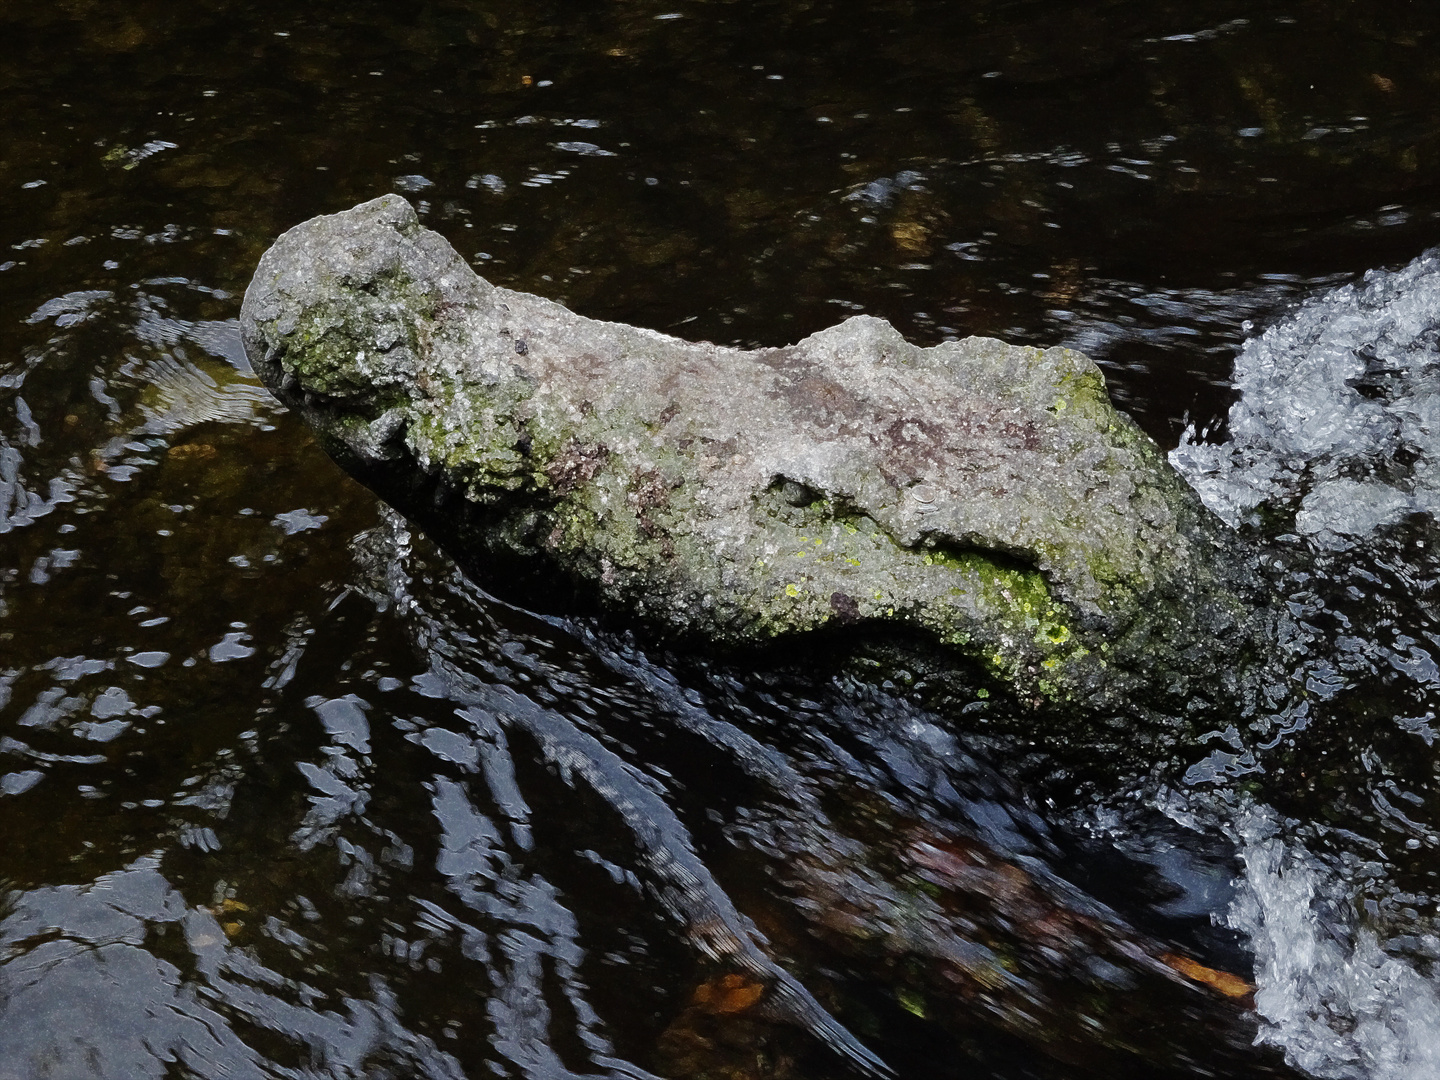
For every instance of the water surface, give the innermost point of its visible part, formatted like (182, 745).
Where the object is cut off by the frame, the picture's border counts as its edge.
(283, 794)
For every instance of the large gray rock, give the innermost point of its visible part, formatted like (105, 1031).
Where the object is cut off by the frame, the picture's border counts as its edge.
(986, 498)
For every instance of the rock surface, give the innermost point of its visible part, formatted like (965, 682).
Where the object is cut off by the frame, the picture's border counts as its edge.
(983, 498)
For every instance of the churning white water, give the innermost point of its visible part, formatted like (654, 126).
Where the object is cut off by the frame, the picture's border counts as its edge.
(1339, 418)
(1331, 998)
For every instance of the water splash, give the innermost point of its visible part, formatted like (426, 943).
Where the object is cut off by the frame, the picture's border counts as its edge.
(1332, 998)
(1338, 424)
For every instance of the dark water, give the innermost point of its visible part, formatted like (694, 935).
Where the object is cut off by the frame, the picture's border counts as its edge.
(282, 794)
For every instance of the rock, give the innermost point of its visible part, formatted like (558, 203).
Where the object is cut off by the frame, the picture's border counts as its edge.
(984, 501)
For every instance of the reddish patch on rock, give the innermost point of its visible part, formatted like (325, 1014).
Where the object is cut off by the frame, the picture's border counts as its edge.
(576, 464)
(845, 608)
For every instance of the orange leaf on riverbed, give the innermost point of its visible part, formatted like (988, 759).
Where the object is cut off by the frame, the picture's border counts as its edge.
(1227, 984)
(728, 994)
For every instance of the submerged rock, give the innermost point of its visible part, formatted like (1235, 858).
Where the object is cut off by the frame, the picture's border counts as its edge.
(967, 938)
(985, 500)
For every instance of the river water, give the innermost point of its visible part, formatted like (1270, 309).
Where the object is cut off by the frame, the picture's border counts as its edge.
(283, 794)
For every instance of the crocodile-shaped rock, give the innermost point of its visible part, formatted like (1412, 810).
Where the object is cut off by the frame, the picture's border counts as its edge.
(985, 499)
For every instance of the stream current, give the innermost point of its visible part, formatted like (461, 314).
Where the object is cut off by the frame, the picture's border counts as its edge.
(284, 794)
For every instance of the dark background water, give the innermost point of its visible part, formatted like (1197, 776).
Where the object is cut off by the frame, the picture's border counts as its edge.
(280, 794)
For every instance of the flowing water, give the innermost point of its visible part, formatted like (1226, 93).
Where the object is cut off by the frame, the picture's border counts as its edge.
(283, 794)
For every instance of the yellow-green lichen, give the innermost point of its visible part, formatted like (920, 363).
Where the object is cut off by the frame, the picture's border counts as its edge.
(911, 1002)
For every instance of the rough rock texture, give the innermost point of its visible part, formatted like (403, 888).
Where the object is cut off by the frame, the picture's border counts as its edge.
(984, 497)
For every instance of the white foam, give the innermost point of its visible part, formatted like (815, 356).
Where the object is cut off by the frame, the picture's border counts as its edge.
(1344, 391)
(1338, 1006)
(1351, 507)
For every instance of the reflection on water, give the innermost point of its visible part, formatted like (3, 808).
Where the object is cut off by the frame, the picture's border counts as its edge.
(502, 819)
(282, 794)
